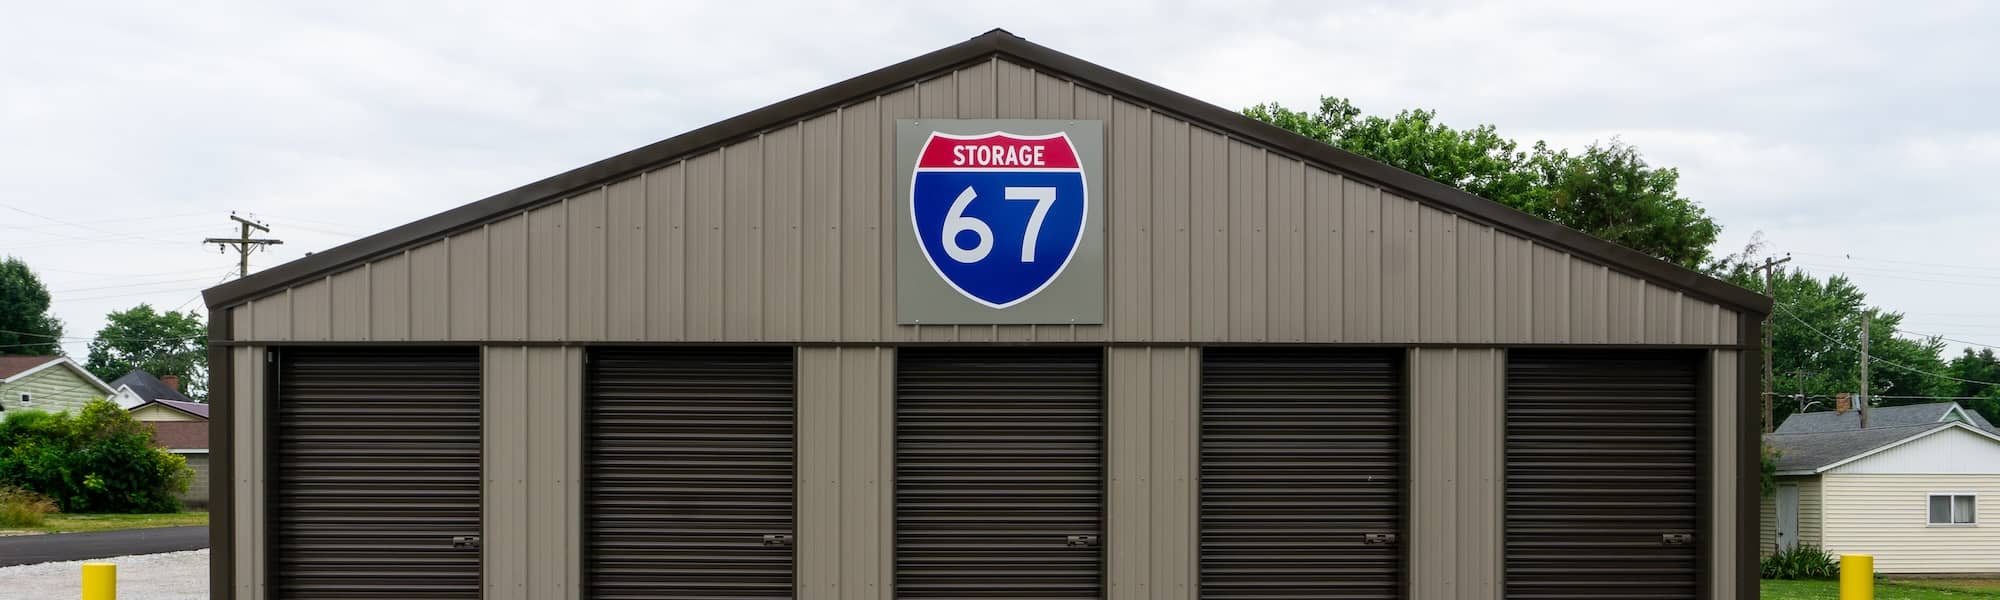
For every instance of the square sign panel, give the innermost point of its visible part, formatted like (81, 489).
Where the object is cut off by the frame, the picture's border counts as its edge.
(999, 221)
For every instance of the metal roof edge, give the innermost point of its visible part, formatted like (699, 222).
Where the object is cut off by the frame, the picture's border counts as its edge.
(1003, 43)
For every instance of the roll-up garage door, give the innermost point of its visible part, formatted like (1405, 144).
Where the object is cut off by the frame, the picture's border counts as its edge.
(1301, 473)
(1602, 475)
(999, 473)
(375, 490)
(689, 477)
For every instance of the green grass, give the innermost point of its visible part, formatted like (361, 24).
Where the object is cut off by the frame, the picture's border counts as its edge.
(1884, 590)
(67, 523)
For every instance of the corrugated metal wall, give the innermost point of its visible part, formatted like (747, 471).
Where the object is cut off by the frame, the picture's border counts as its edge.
(1455, 474)
(1210, 239)
(534, 464)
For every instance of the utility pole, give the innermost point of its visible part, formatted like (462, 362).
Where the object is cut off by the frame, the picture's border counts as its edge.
(244, 243)
(1770, 381)
(1865, 360)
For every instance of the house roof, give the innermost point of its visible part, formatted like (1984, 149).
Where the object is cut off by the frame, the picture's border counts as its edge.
(1878, 417)
(149, 387)
(996, 43)
(1817, 452)
(16, 365)
(181, 435)
(193, 408)
(14, 368)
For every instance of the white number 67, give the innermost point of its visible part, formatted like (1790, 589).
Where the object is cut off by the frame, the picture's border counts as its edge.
(956, 222)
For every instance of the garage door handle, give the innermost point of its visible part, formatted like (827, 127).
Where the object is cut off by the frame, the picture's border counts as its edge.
(1676, 539)
(1378, 538)
(778, 539)
(465, 542)
(1082, 541)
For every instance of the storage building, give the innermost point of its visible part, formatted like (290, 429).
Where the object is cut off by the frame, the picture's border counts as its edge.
(993, 321)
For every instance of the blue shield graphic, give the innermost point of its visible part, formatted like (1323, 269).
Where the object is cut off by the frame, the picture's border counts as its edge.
(999, 216)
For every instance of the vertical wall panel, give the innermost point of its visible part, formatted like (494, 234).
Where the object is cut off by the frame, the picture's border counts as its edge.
(312, 311)
(976, 90)
(667, 249)
(1285, 222)
(1625, 309)
(1127, 222)
(507, 264)
(743, 208)
(1399, 268)
(1169, 231)
(533, 503)
(350, 304)
(1437, 276)
(467, 256)
(1588, 299)
(1477, 290)
(1325, 295)
(430, 291)
(1016, 91)
(1514, 295)
(588, 281)
(1054, 98)
(1455, 462)
(1248, 245)
(248, 401)
(783, 195)
(1550, 278)
(548, 272)
(1698, 322)
(845, 447)
(1361, 263)
(705, 252)
(270, 318)
(1208, 201)
(389, 298)
(820, 281)
(1149, 541)
(1723, 456)
(625, 259)
(1663, 315)
(242, 321)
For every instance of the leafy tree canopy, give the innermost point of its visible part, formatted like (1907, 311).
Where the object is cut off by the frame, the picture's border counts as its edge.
(1606, 190)
(161, 343)
(25, 324)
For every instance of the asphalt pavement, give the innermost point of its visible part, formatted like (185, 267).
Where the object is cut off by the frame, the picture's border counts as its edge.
(34, 549)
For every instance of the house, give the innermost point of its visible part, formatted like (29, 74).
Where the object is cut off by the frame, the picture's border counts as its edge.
(47, 383)
(1905, 489)
(180, 425)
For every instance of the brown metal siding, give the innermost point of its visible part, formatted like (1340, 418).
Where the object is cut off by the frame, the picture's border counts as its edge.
(1455, 472)
(689, 463)
(999, 461)
(1602, 461)
(717, 247)
(1301, 459)
(377, 469)
(533, 463)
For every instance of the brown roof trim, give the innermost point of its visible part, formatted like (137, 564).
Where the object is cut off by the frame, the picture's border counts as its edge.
(1013, 47)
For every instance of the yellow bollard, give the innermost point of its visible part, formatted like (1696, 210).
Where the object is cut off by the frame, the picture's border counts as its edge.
(1857, 577)
(100, 581)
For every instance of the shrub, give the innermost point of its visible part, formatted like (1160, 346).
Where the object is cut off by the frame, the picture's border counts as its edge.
(100, 460)
(1804, 561)
(22, 508)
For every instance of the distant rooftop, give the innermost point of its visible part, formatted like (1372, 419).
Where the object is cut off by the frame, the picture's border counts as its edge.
(1878, 417)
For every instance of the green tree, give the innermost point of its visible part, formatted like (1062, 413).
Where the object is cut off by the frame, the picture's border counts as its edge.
(1981, 366)
(1815, 344)
(25, 324)
(98, 460)
(161, 343)
(1606, 190)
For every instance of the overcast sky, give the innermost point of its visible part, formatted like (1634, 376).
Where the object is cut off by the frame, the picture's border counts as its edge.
(1860, 138)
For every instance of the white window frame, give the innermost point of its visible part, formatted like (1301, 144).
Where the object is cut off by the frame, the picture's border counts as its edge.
(27, 398)
(1953, 503)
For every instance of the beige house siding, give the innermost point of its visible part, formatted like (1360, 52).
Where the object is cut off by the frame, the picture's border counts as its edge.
(1809, 515)
(54, 389)
(161, 413)
(1887, 516)
(783, 237)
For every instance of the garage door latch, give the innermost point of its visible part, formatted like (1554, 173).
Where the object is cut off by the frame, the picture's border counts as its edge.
(465, 542)
(777, 539)
(1676, 539)
(1378, 538)
(1082, 541)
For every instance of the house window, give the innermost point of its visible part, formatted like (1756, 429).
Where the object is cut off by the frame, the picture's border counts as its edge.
(27, 397)
(1954, 509)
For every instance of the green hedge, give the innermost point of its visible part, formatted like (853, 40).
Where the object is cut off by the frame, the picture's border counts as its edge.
(99, 460)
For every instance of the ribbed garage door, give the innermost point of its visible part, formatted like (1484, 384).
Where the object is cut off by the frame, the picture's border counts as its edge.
(375, 490)
(690, 468)
(1601, 475)
(1301, 474)
(999, 473)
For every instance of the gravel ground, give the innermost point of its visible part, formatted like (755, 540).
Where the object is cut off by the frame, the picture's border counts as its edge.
(169, 576)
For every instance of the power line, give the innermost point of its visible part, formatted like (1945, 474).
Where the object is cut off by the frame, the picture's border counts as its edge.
(72, 224)
(86, 339)
(1905, 262)
(1871, 358)
(1933, 335)
(128, 285)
